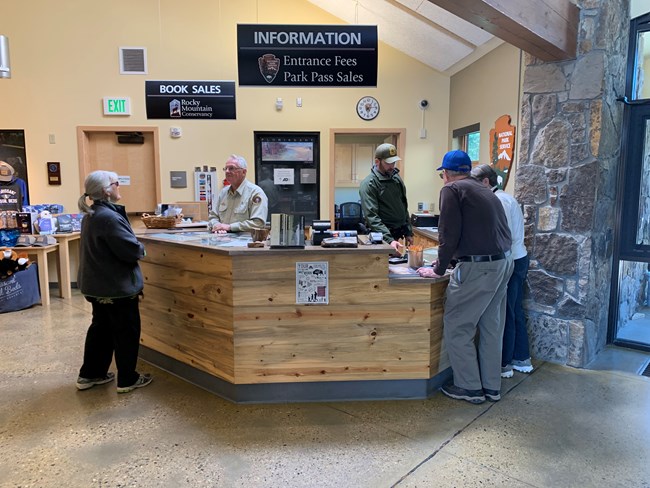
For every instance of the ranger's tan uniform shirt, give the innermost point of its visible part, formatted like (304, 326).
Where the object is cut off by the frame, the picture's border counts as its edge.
(244, 209)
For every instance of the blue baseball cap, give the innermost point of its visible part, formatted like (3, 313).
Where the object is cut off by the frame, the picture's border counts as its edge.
(456, 161)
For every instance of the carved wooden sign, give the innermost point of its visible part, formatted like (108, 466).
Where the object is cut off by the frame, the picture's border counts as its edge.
(502, 141)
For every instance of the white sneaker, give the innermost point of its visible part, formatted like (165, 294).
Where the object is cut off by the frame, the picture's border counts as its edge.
(85, 383)
(524, 366)
(506, 371)
(143, 380)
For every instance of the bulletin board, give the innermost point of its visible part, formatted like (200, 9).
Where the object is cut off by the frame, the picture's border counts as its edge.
(287, 168)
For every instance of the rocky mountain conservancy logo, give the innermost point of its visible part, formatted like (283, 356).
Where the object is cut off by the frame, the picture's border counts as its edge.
(175, 108)
(269, 66)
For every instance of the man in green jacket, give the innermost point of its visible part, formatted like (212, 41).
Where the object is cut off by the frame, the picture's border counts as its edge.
(383, 199)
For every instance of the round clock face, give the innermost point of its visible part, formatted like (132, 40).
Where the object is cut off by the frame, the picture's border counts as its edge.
(368, 108)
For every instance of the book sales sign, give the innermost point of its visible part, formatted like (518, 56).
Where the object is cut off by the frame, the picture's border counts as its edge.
(307, 55)
(198, 100)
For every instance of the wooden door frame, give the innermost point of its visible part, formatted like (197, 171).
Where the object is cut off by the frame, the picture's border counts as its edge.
(400, 144)
(83, 139)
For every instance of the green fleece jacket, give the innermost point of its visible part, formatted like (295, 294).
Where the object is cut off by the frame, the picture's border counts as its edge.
(383, 199)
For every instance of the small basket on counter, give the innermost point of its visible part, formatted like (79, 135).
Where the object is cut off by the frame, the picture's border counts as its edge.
(160, 222)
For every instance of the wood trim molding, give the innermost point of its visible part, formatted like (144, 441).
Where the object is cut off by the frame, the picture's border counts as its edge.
(83, 150)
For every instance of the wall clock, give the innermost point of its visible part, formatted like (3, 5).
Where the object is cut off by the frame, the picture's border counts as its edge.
(368, 108)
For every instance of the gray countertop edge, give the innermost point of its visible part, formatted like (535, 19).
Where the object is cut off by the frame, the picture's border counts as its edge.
(238, 251)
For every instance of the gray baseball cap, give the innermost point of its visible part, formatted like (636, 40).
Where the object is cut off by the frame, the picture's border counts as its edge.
(387, 153)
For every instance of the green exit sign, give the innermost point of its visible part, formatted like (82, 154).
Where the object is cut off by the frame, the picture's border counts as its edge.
(117, 106)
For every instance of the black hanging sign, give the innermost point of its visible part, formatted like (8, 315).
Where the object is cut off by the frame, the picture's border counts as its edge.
(196, 100)
(307, 55)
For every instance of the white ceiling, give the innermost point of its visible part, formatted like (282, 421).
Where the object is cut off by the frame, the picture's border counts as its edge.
(419, 29)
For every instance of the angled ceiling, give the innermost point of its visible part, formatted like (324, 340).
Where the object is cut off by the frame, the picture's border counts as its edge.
(419, 29)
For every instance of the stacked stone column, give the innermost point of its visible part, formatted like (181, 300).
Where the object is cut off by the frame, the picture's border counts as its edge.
(569, 155)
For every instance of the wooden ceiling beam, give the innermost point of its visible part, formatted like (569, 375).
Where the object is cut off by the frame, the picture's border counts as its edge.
(547, 29)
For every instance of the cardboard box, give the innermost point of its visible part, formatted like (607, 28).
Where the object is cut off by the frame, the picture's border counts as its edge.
(198, 211)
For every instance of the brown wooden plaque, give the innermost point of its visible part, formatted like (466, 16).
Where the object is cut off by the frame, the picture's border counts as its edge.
(502, 145)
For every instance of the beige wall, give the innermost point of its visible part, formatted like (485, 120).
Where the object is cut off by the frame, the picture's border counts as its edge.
(484, 91)
(64, 58)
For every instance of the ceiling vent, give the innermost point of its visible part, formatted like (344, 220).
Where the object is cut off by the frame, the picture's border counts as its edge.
(133, 60)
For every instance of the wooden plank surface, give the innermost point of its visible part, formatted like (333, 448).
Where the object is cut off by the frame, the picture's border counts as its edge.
(188, 258)
(206, 286)
(236, 317)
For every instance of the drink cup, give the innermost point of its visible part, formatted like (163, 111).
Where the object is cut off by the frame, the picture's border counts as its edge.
(415, 259)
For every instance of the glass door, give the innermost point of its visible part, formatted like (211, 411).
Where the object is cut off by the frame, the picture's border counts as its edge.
(629, 310)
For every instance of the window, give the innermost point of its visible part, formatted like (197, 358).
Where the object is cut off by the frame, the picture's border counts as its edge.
(472, 145)
(469, 140)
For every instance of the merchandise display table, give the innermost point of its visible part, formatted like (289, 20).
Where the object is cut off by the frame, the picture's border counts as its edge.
(65, 281)
(41, 253)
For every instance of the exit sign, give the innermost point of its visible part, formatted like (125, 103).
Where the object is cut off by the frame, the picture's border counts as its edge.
(117, 106)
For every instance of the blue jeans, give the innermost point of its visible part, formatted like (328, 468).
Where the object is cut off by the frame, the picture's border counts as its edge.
(515, 334)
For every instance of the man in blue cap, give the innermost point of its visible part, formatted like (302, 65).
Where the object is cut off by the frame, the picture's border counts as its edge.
(473, 231)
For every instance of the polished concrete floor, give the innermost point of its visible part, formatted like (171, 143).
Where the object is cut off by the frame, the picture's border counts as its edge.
(557, 427)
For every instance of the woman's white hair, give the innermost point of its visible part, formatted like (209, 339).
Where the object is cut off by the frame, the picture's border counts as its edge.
(96, 188)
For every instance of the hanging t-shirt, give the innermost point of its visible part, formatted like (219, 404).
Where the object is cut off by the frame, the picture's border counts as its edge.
(11, 196)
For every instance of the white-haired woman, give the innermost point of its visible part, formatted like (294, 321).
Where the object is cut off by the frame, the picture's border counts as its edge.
(110, 279)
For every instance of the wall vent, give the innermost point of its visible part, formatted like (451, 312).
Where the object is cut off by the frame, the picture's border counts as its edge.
(133, 60)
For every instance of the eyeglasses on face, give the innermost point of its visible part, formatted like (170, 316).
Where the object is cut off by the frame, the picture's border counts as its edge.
(441, 174)
(115, 183)
(230, 169)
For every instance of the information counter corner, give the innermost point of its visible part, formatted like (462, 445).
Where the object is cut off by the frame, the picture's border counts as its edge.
(251, 325)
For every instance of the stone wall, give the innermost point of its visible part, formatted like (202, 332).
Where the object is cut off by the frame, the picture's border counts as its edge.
(568, 160)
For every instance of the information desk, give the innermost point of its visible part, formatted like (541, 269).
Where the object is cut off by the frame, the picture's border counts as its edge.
(228, 319)
(425, 237)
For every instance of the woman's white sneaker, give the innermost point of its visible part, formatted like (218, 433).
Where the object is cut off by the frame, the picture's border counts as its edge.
(524, 366)
(506, 371)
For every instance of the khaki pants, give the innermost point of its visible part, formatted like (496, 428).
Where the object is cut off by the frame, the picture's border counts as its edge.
(476, 300)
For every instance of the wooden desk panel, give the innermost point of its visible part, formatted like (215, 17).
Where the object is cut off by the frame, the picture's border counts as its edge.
(232, 313)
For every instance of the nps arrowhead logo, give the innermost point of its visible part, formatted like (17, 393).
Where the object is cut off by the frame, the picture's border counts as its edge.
(269, 66)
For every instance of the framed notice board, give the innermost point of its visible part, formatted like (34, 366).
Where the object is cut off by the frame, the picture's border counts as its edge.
(287, 168)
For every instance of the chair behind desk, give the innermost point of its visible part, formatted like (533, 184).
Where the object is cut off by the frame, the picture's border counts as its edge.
(351, 217)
